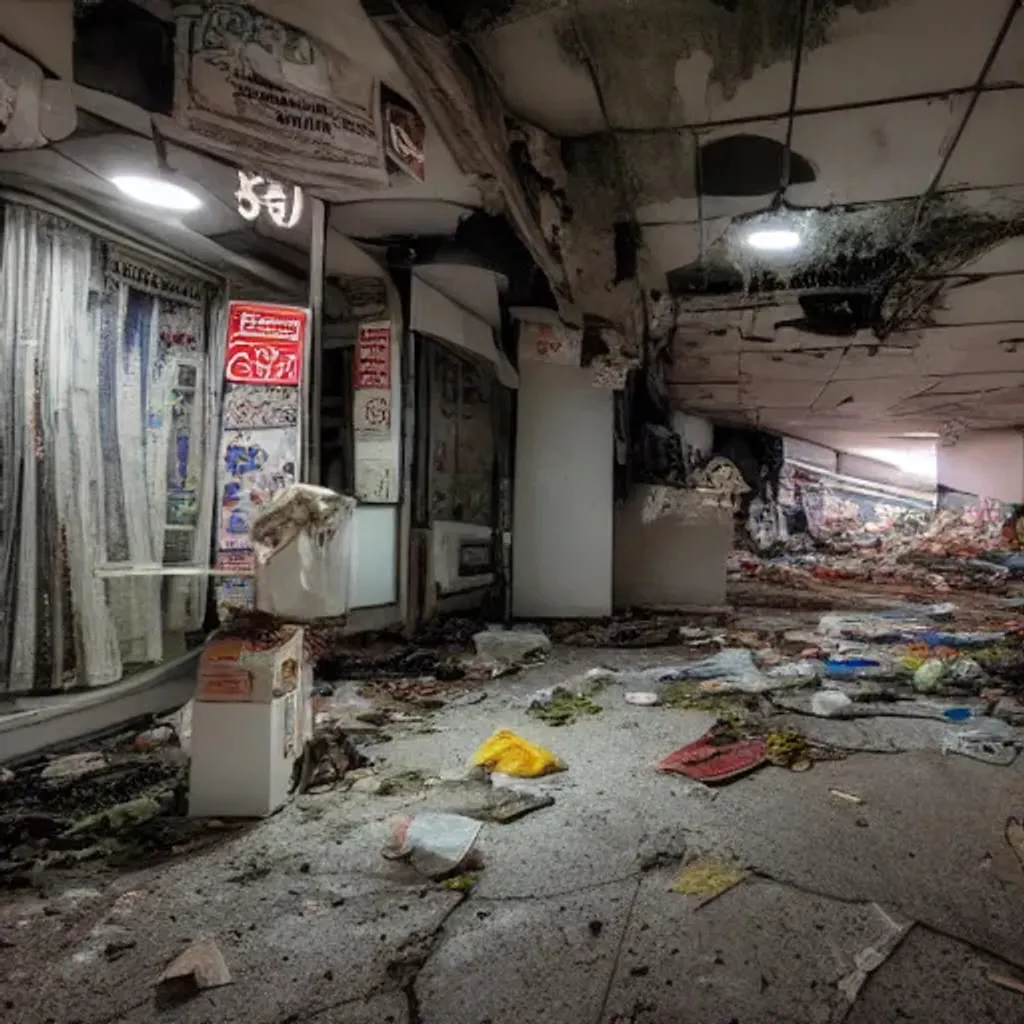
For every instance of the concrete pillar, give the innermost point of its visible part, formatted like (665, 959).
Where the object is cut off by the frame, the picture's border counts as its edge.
(988, 463)
(562, 514)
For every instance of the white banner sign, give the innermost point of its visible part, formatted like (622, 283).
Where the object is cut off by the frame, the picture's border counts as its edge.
(270, 97)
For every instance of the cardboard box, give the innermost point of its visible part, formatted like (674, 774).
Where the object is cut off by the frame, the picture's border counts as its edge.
(241, 670)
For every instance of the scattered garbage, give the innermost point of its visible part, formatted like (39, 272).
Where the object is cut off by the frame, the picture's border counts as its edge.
(510, 754)
(642, 699)
(830, 704)
(560, 706)
(990, 740)
(707, 878)
(732, 670)
(436, 845)
(872, 957)
(511, 645)
(716, 757)
(460, 883)
(197, 969)
(788, 748)
(75, 766)
(957, 714)
(850, 798)
(1005, 981)
(931, 676)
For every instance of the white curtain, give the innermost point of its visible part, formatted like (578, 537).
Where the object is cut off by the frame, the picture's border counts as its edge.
(109, 403)
(56, 629)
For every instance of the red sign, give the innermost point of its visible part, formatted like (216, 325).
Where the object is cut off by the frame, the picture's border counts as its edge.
(373, 358)
(265, 343)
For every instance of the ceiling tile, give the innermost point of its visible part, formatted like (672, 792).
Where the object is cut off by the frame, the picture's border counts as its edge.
(1000, 259)
(726, 396)
(900, 49)
(867, 397)
(1008, 67)
(538, 80)
(698, 367)
(989, 153)
(808, 365)
(875, 153)
(758, 393)
(876, 363)
(976, 383)
(983, 301)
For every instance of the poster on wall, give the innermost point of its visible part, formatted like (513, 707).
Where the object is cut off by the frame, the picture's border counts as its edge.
(270, 96)
(371, 381)
(265, 343)
(254, 466)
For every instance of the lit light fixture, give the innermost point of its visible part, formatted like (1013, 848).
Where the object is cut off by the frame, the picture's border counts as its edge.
(923, 435)
(774, 239)
(157, 191)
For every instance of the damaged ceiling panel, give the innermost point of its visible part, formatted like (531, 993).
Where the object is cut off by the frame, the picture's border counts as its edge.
(875, 132)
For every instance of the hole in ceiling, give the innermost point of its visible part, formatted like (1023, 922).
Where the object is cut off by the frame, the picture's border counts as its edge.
(836, 314)
(126, 51)
(748, 165)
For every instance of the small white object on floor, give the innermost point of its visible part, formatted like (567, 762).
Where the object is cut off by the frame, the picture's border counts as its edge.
(642, 699)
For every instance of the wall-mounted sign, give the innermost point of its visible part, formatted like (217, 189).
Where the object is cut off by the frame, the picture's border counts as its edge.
(265, 343)
(371, 381)
(266, 95)
(256, 193)
(373, 357)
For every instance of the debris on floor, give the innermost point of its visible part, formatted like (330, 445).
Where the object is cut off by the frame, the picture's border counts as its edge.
(511, 646)
(1005, 981)
(707, 878)
(197, 969)
(436, 845)
(717, 757)
(850, 798)
(642, 699)
(509, 754)
(869, 959)
(560, 706)
(990, 740)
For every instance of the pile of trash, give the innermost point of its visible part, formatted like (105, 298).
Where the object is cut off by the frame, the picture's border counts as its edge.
(978, 547)
(909, 662)
(120, 801)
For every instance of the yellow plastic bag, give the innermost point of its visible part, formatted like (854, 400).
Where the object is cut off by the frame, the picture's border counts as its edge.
(510, 754)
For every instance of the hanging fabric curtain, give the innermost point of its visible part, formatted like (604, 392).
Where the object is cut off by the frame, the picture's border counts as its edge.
(107, 403)
(57, 629)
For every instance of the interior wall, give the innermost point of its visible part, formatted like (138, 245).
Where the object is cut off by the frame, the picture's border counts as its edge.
(563, 501)
(670, 562)
(988, 463)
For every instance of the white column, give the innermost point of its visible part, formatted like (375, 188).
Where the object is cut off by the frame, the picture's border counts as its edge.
(562, 519)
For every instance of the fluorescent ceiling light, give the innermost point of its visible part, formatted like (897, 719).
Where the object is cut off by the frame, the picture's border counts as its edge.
(774, 239)
(923, 434)
(155, 191)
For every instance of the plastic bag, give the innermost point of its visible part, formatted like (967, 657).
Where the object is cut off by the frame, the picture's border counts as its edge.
(509, 754)
(434, 844)
(931, 676)
(990, 740)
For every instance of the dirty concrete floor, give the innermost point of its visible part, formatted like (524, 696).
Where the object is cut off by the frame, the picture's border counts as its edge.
(569, 922)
